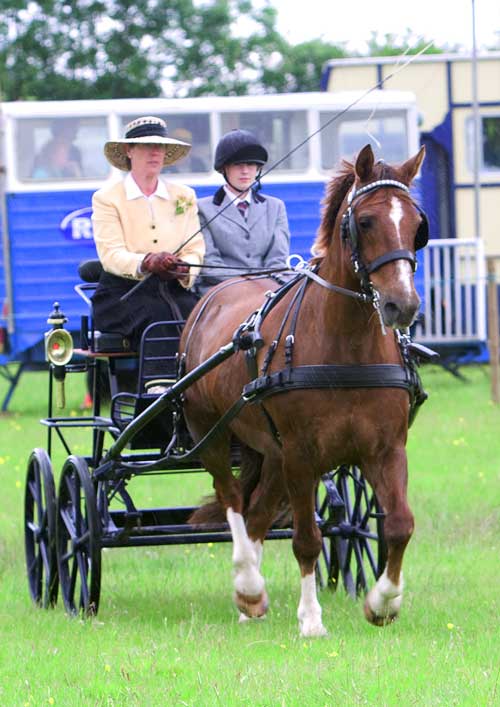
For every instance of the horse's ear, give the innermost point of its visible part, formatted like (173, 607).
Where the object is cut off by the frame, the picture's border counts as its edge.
(410, 167)
(364, 163)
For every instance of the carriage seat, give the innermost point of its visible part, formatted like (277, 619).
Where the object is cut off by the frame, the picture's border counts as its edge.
(98, 342)
(157, 371)
(155, 365)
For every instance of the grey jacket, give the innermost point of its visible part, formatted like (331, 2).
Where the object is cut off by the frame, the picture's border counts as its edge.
(262, 241)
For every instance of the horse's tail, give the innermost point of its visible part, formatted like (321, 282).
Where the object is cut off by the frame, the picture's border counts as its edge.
(211, 511)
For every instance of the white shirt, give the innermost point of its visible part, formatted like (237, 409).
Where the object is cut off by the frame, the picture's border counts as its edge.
(231, 195)
(132, 190)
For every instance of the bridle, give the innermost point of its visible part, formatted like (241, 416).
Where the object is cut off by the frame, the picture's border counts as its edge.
(349, 233)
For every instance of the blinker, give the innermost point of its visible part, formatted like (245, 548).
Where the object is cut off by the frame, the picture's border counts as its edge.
(422, 235)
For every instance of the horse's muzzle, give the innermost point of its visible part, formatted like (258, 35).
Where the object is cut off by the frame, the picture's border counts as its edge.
(399, 314)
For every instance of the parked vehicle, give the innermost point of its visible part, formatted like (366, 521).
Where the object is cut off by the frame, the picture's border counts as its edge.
(459, 124)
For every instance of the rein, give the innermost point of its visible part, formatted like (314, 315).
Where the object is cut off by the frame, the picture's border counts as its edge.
(362, 296)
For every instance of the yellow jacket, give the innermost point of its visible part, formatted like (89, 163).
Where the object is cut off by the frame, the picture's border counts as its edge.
(126, 229)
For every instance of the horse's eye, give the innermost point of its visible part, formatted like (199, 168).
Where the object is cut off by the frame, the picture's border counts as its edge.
(365, 223)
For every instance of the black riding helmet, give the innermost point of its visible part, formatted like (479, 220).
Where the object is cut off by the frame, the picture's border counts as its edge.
(239, 146)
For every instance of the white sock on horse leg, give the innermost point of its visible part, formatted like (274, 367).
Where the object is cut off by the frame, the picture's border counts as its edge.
(385, 597)
(248, 580)
(309, 611)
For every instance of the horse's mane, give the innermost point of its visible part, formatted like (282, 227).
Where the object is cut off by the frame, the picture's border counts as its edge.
(336, 190)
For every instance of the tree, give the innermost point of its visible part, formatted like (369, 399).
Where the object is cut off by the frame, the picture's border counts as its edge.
(301, 66)
(70, 49)
(393, 45)
(62, 49)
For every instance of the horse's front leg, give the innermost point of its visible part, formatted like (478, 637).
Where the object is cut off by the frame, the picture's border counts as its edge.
(264, 502)
(249, 590)
(306, 544)
(389, 481)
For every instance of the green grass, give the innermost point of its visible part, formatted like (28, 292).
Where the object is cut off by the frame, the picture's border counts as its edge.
(167, 633)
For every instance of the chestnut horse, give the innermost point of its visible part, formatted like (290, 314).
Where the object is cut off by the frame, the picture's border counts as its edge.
(361, 288)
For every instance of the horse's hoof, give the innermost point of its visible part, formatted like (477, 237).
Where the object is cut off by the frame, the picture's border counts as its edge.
(252, 606)
(313, 630)
(376, 620)
(243, 618)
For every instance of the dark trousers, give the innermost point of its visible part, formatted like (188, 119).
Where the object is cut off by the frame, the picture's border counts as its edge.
(155, 300)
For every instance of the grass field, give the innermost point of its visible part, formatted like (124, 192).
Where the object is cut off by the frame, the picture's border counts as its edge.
(167, 633)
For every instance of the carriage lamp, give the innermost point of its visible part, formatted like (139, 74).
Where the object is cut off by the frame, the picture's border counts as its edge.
(58, 350)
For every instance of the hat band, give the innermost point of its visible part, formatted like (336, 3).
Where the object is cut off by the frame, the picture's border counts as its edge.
(152, 129)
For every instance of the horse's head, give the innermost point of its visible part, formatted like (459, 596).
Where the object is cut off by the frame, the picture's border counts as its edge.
(373, 226)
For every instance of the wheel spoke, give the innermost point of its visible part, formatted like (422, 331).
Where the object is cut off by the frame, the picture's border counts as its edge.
(371, 558)
(39, 495)
(45, 559)
(44, 521)
(34, 527)
(72, 581)
(66, 557)
(68, 521)
(33, 491)
(84, 590)
(361, 583)
(84, 537)
(71, 483)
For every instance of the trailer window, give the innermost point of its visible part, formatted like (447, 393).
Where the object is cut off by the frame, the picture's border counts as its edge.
(60, 149)
(489, 136)
(344, 137)
(279, 132)
(193, 128)
(491, 142)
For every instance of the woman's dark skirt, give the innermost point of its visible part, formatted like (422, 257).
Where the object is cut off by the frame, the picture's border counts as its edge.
(155, 300)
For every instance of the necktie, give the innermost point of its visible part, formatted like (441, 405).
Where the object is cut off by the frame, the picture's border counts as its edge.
(242, 207)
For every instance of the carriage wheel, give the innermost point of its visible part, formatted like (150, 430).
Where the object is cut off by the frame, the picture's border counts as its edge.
(78, 539)
(356, 551)
(40, 529)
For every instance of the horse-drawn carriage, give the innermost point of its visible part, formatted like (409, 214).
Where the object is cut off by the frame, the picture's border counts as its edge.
(300, 385)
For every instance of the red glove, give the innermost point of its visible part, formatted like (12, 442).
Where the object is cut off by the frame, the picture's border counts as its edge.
(181, 270)
(166, 265)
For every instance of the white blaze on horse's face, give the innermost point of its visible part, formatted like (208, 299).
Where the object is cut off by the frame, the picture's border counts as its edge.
(403, 267)
(398, 298)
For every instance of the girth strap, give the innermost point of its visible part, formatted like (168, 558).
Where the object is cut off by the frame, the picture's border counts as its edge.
(381, 375)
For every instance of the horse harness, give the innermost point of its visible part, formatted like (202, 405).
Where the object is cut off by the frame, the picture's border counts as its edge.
(325, 376)
(405, 376)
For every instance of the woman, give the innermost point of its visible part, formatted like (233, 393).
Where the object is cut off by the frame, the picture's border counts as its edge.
(144, 227)
(241, 226)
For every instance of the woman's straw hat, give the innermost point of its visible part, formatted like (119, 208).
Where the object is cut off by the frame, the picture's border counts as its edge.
(147, 130)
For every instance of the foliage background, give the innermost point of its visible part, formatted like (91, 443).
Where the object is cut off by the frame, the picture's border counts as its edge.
(62, 50)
